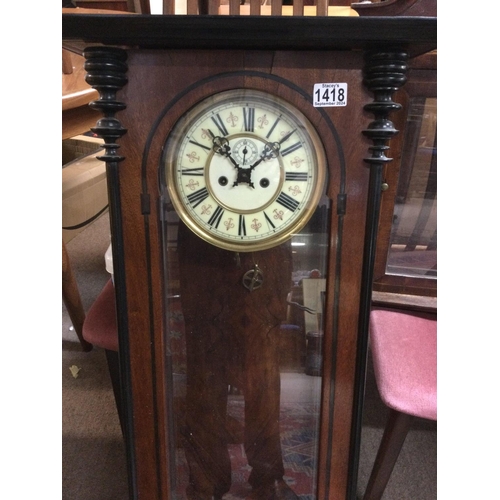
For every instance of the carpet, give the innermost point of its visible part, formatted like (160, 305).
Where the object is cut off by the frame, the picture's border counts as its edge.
(299, 439)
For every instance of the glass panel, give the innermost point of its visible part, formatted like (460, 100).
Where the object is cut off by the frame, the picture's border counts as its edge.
(413, 244)
(245, 366)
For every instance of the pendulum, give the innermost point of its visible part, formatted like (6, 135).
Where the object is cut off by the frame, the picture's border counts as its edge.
(253, 279)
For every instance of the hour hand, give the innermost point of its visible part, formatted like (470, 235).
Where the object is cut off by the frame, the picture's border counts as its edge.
(220, 145)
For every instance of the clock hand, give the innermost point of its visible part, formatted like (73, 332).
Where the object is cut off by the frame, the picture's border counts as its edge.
(272, 149)
(287, 136)
(221, 146)
(245, 174)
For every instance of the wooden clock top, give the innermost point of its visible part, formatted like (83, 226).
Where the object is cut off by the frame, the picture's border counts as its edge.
(418, 35)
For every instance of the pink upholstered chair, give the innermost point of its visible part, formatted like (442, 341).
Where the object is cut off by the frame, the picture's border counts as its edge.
(100, 329)
(404, 352)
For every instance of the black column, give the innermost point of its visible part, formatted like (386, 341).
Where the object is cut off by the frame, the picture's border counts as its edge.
(384, 73)
(106, 69)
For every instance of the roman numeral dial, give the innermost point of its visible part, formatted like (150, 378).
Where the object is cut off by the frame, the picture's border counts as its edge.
(244, 169)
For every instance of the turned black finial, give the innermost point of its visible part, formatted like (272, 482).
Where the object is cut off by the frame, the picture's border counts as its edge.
(384, 73)
(106, 72)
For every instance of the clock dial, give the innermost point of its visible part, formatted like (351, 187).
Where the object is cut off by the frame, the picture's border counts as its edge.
(245, 170)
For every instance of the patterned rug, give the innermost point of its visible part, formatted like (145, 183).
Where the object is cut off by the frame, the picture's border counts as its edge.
(299, 431)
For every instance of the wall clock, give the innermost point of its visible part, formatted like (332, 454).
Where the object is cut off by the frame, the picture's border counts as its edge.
(237, 174)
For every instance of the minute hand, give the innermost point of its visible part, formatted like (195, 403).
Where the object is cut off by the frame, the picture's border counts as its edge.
(286, 137)
(272, 149)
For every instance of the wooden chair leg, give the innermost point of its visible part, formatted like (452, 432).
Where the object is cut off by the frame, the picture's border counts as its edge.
(72, 300)
(392, 441)
(114, 373)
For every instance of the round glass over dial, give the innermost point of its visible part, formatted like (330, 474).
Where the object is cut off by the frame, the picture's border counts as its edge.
(244, 169)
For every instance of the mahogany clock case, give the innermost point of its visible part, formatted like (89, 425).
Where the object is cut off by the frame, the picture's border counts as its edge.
(161, 87)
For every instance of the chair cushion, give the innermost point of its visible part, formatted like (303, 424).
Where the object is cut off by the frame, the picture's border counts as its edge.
(99, 327)
(404, 351)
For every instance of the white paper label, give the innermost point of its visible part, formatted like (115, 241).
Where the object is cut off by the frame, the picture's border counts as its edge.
(330, 94)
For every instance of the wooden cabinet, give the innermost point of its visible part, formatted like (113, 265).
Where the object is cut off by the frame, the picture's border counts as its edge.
(119, 5)
(405, 272)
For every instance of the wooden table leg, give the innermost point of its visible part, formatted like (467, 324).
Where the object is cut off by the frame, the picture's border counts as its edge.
(72, 300)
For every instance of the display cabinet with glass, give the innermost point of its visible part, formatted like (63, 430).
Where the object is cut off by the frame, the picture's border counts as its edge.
(406, 263)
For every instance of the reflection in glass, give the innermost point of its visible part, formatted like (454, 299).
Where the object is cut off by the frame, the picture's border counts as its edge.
(245, 366)
(413, 244)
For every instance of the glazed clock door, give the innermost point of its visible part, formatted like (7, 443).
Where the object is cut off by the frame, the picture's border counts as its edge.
(245, 212)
